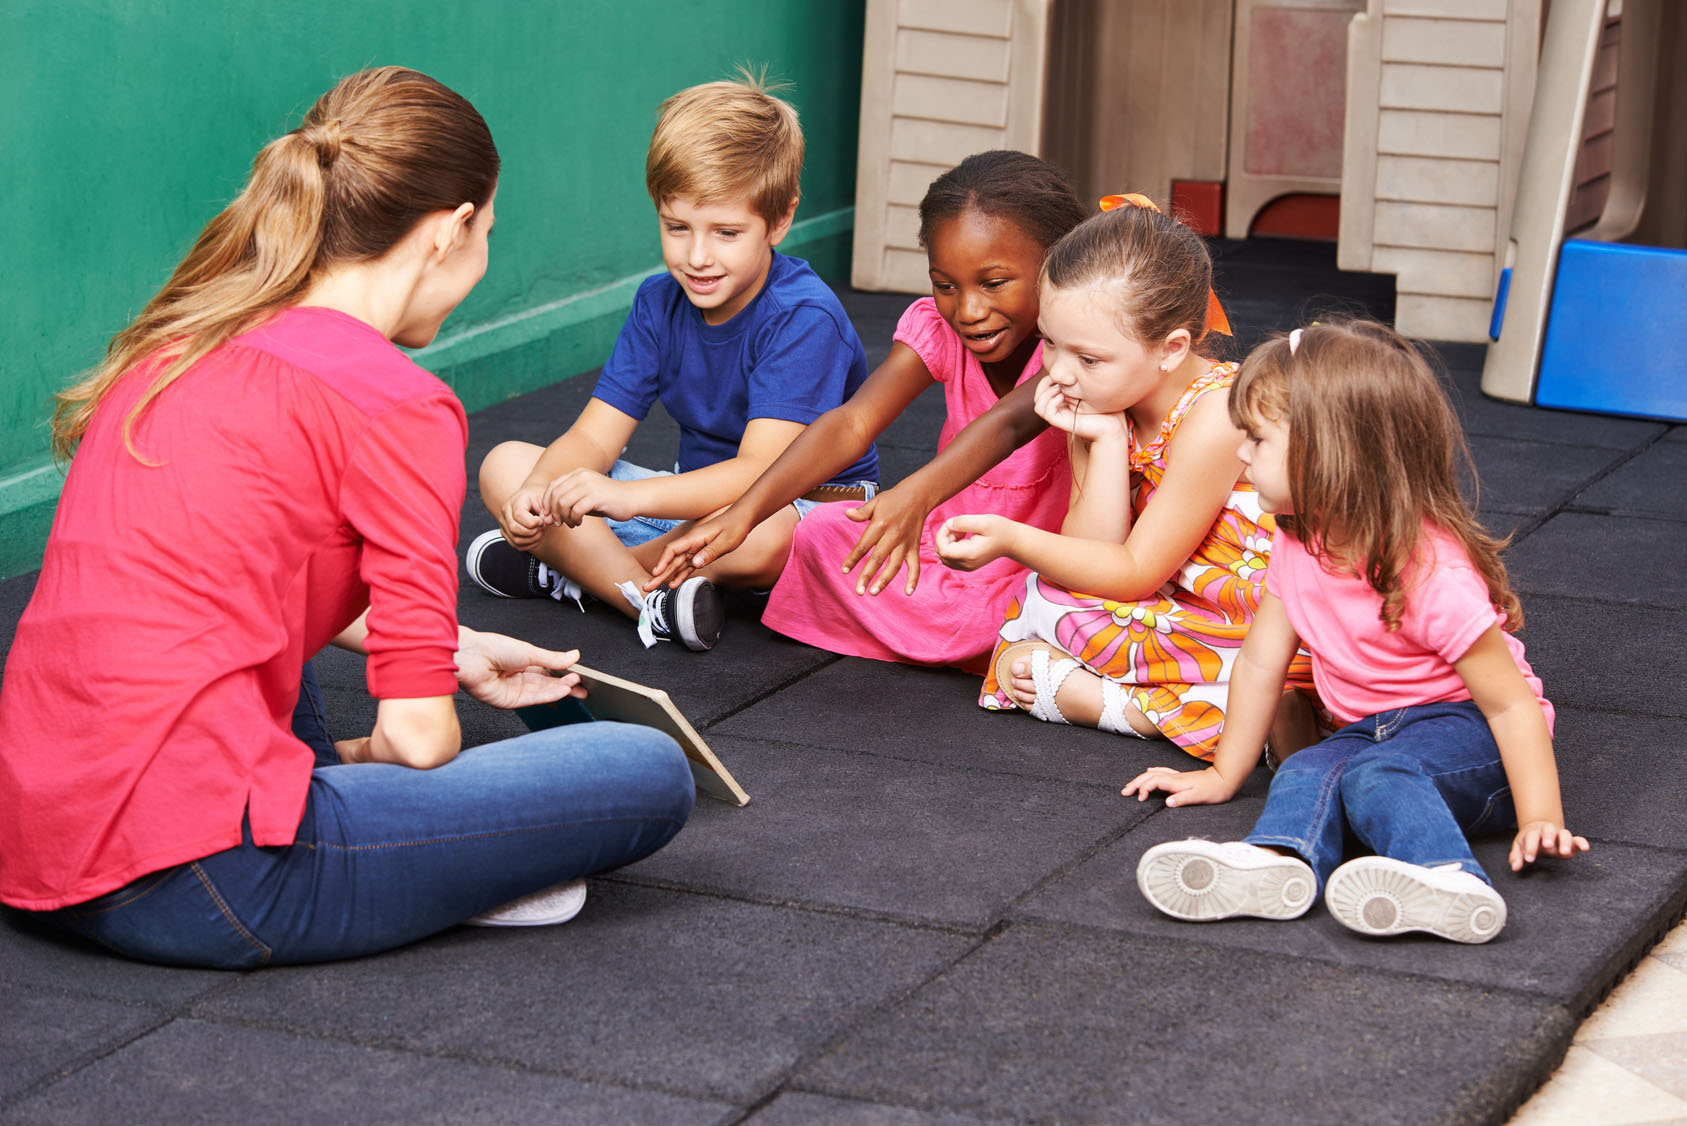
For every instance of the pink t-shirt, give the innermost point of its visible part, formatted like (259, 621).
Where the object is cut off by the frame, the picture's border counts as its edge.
(302, 472)
(1359, 667)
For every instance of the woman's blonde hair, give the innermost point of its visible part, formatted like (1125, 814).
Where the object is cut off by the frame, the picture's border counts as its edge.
(1375, 452)
(375, 154)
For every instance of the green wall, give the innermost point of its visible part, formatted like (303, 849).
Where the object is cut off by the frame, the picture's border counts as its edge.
(127, 124)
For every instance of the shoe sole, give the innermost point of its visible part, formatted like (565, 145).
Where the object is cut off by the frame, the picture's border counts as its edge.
(543, 908)
(1375, 895)
(471, 562)
(1201, 882)
(699, 615)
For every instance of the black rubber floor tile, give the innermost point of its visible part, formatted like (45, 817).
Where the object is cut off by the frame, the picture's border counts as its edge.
(1570, 929)
(1608, 658)
(37, 954)
(656, 989)
(1484, 415)
(45, 1033)
(1649, 485)
(932, 715)
(1048, 1025)
(748, 662)
(1603, 558)
(893, 837)
(193, 1071)
(1621, 776)
(1520, 476)
(798, 1109)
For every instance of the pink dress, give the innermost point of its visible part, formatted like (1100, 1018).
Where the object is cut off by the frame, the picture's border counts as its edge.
(952, 616)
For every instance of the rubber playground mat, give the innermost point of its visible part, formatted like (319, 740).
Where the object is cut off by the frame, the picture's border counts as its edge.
(928, 913)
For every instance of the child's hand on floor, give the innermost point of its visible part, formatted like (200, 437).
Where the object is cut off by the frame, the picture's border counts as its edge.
(968, 542)
(580, 493)
(1182, 787)
(524, 517)
(1543, 838)
(890, 541)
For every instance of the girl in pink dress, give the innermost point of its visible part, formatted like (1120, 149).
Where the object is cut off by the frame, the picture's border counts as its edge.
(1140, 600)
(985, 225)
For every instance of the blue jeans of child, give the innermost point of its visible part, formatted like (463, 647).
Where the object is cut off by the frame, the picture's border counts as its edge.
(1410, 784)
(643, 529)
(386, 855)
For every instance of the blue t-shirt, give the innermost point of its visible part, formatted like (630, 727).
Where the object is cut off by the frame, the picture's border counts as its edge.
(790, 354)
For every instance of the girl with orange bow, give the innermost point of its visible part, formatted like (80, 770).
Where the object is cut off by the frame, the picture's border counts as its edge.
(1135, 611)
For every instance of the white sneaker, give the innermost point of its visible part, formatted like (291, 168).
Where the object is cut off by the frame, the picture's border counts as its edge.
(1377, 895)
(543, 908)
(1200, 881)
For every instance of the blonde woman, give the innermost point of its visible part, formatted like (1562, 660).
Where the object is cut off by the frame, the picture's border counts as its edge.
(259, 472)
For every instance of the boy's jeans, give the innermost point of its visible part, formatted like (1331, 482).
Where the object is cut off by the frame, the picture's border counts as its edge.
(1410, 784)
(386, 855)
(643, 529)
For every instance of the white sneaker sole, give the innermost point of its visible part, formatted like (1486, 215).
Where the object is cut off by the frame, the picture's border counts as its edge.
(543, 908)
(471, 560)
(1378, 896)
(1201, 881)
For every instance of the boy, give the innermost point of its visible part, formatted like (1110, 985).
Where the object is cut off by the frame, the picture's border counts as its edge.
(744, 346)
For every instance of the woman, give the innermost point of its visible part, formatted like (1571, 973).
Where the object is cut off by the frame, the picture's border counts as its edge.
(259, 471)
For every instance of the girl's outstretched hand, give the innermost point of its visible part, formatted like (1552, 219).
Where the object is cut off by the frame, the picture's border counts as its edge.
(889, 542)
(694, 549)
(1543, 838)
(968, 542)
(1181, 787)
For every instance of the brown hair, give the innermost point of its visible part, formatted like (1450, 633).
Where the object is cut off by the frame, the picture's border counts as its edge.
(1158, 271)
(375, 154)
(1374, 453)
(725, 139)
(1030, 193)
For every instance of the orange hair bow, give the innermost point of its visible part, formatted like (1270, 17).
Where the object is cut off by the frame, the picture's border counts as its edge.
(1216, 320)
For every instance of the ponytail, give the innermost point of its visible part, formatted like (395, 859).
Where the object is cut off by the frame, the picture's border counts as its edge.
(375, 154)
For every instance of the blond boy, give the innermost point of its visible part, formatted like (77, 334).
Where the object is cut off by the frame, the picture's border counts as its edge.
(744, 347)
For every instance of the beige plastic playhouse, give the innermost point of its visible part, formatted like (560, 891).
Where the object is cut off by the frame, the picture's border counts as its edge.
(1413, 113)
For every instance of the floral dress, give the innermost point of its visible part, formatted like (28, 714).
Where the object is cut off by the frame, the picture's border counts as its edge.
(1173, 651)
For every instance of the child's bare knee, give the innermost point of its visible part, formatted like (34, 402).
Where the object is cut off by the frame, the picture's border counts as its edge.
(504, 468)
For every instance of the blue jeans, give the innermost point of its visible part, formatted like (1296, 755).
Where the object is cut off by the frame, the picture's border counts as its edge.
(1409, 784)
(386, 855)
(643, 529)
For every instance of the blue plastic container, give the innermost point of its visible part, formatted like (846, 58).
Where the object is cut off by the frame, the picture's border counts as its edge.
(1613, 336)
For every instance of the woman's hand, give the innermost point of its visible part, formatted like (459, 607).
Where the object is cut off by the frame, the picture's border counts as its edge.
(697, 547)
(968, 542)
(890, 541)
(1543, 838)
(1181, 787)
(507, 673)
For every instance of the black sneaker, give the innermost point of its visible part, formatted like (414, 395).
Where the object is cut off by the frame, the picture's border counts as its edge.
(508, 572)
(690, 614)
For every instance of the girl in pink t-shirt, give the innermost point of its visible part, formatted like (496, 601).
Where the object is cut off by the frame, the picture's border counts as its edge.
(985, 224)
(1379, 568)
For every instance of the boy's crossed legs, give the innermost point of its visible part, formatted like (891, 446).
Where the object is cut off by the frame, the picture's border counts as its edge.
(601, 555)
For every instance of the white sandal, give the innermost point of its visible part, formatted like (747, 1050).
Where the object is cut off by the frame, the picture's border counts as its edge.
(1113, 704)
(1048, 681)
